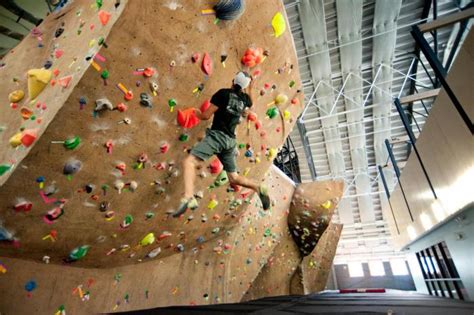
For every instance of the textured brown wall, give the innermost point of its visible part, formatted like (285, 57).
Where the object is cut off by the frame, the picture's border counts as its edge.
(201, 277)
(147, 34)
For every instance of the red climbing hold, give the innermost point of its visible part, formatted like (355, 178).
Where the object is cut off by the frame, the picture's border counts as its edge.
(28, 137)
(205, 105)
(216, 166)
(252, 57)
(195, 57)
(207, 64)
(187, 118)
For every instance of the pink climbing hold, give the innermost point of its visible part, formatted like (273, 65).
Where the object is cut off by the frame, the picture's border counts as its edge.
(64, 81)
(187, 118)
(195, 57)
(104, 17)
(216, 166)
(207, 64)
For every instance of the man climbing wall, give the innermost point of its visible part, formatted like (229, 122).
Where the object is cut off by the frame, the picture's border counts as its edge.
(227, 106)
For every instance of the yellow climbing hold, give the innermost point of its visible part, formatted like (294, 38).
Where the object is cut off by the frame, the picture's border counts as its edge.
(278, 24)
(272, 153)
(16, 140)
(286, 114)
(16, 96)
(327, 204)
(148, 239)
(38, 79)
(212, 204)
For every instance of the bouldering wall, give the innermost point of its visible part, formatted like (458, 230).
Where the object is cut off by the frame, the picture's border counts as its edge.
(128, 161)
(301, 262)
(315, 267)
(219, 270)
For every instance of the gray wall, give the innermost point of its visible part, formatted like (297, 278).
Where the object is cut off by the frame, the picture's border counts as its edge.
(462, 251)
(389, 281)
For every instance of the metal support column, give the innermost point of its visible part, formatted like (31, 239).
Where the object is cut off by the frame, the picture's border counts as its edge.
(409, 131)
(307, 149)
(441, 73)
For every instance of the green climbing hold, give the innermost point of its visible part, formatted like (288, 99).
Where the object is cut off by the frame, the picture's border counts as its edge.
(79, 252)
(221, 179)
(105, 74)
(292, 83)
(183, 137)
(127, 221)
(99, 3)
(272, 112)
(241, 145)
(72, 143)
(267, 233)
(4, 168)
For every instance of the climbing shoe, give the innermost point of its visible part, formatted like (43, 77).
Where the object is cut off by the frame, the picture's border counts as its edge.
(263, 194)
(185, 204)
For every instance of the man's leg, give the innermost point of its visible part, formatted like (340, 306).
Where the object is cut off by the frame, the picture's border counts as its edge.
(189, 173)
(236, 179)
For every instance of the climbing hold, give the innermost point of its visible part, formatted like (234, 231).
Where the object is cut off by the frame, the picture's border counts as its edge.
(327, 204)
(104, 206)
(206, 65)
(64, 81)
(38, 79)
(103, 103)
(212, 204)
(28, 136)
(104, 17)
(278, 24)
(154, 88)
(252, 57)
(164, 147)
(171, 103)
(72, 166)
(183, 137)
(148, 239)
(154, 253)
(16, 96)
(23, 206)
(281, 99)
(122, 107)
(272, 153)
(148, 72)
(70, 143)
(119, 185)
(229, 9)
(126, 221)
(5, 168)
(195, 57)
(272, 112)
(133, 185)
(216, 166)
(145, 100)
(78, 252)
(54, 214)
(26, 113)
(180, 247)
(30, 285)
(187, 118)
(286, 114)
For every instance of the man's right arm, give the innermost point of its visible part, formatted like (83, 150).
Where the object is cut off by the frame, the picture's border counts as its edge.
(207, 113)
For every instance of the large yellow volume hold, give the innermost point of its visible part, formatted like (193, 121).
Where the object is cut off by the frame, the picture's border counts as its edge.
(37, 81)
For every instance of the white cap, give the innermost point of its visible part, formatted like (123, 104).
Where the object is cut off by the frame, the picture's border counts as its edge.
(242, 79)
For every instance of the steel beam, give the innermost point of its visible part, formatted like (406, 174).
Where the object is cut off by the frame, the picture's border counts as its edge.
(441, 73)
(409, 131)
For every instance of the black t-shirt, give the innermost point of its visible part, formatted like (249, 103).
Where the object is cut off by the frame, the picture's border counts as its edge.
(231, 105)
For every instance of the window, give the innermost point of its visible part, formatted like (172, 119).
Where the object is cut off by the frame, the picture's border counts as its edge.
(376, 268)
(439, 272)
(399, 267)
(355, 269)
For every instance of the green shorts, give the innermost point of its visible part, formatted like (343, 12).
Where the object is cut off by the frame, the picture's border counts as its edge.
(217, 143)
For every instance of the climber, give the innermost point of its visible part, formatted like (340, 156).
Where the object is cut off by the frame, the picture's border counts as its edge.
(227, 106)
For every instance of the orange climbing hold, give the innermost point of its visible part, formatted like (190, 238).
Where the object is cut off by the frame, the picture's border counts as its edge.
(252, 57)
(207, 64)
(104, 17)
(187, 118)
